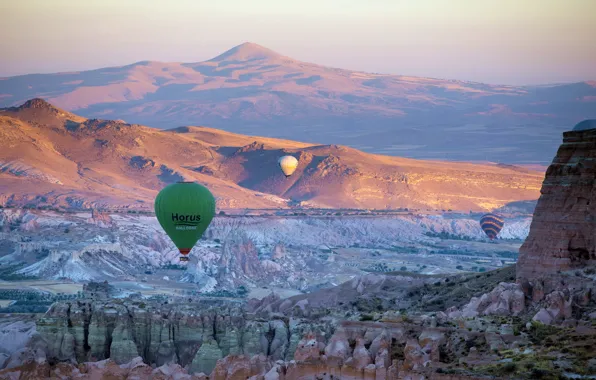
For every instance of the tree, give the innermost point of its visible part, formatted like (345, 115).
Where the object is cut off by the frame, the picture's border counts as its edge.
(222, 213)
(482, 269)
(403, 269)
(242, 291)
(459, 267)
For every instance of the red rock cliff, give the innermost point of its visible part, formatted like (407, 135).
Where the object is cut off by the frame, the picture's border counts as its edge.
(563, 232)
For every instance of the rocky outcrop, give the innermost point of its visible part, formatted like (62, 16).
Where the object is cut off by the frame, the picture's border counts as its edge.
(33, 352)
(240, 256)
(558, 307)
(241, 367)
(206, 357)
(16, 333)
(279, 252)
(506, 299)
(555, 283)
(223, 342)
(100, 219)
(563, 232)
(369, 293)
(105, 369)
(150, 339)
(194, 334)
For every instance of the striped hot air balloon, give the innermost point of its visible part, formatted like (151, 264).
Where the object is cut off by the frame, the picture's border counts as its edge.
(491, 224)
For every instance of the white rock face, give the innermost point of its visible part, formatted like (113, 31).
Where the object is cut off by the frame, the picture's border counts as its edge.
(78, 248)
(15, 333)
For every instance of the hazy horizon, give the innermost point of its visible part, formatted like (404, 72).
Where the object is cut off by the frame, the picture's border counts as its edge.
(500, 42)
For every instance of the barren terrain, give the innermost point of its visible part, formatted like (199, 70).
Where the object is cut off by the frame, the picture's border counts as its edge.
(52, 252)
(52, 158)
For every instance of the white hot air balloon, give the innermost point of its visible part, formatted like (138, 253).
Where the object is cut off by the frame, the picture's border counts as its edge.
(288, 165)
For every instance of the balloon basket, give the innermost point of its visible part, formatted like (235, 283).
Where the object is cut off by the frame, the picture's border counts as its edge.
(183, 258)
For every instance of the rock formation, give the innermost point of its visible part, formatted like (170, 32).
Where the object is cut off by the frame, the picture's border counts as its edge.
(505, 299)
(563, 232)
(184, 338)
(194, 334)
(227, 343)
(240, 256)
(555, 282)
(101, 219)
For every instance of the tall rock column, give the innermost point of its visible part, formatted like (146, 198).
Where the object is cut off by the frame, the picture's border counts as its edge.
(563, 231)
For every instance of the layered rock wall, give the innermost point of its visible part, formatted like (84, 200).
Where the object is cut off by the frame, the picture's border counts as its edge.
(228, 343)
(190, 334)
(563, 231)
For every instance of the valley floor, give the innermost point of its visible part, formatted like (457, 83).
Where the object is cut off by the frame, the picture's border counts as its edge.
(52, 254)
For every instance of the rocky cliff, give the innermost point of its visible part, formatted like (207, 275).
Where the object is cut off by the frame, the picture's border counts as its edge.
(563, 231)
(373, 327)
(192, 333)
(191, 339)
(225, 342)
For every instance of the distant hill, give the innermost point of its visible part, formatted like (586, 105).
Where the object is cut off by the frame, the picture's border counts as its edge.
(253, 90)
(51, 157)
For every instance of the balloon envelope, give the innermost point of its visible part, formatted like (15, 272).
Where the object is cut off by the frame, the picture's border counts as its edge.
(184, 210)
(491, 224)
(288, 165)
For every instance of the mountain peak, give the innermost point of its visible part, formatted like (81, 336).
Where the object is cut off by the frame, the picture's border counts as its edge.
(38, 103)
(38, 107)
(247, 51)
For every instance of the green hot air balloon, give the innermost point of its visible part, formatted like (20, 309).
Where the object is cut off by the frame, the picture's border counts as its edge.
(184, 210)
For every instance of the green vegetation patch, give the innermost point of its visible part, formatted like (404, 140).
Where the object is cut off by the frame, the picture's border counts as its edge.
(528, 367)
(7, 273)
(174, 267)
(457, 290)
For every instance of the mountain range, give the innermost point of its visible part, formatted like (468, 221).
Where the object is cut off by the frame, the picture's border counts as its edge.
(253, 90)
(51, 157)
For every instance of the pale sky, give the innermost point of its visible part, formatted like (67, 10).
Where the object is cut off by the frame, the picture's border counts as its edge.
(493, 41)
